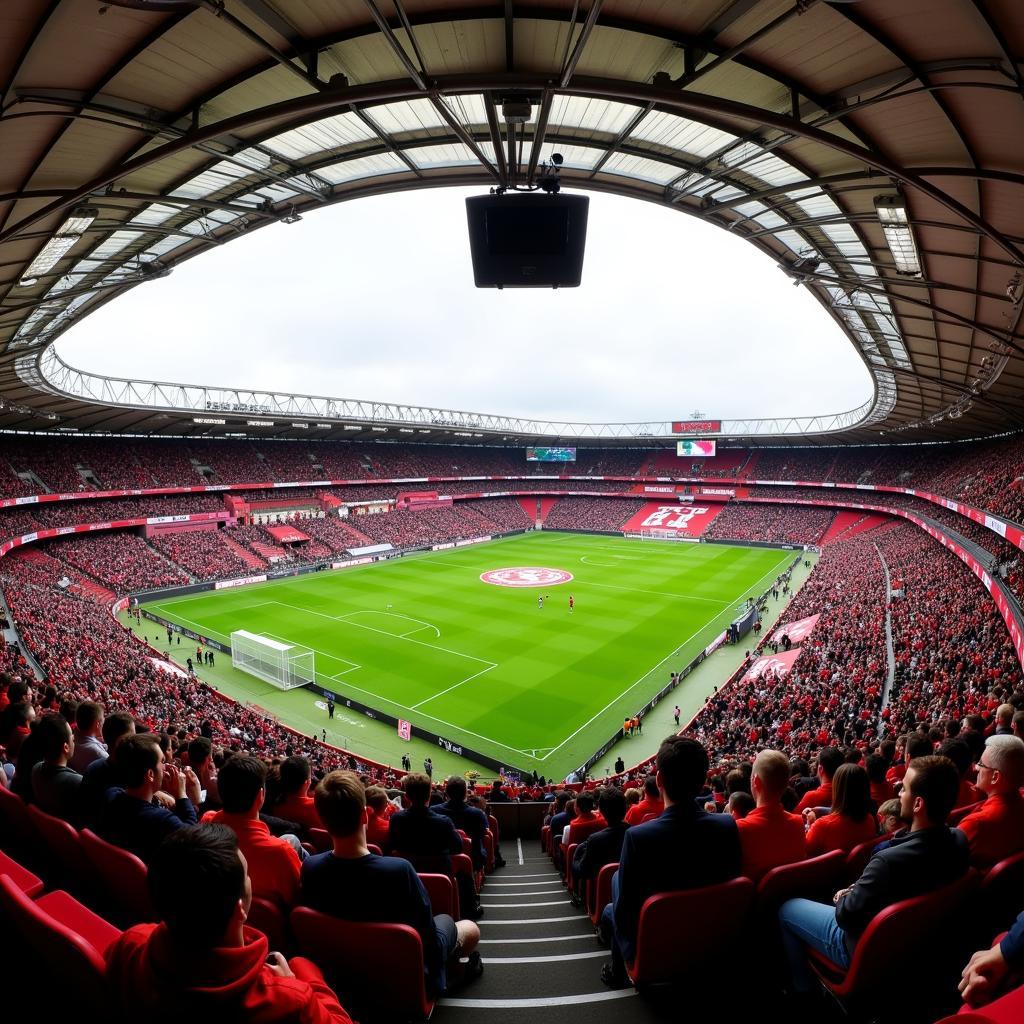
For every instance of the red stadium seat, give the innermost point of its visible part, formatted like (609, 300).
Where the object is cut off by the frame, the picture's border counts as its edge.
(814, 879)
(319, 839)
(602, 891)
(489, 851)
(123, 877)
(16, 831)
(569, 853)
(68, 939)
(379, 966)
(444, 897)
(667, 953)
(545, 838)
(266, 916)
(61, 849)
(1001, 890)
(857, 859)
(880, 956)
(649, 817)
(374, 848)
(28, 883)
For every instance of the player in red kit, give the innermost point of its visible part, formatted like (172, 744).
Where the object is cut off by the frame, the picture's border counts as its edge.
(570, 604)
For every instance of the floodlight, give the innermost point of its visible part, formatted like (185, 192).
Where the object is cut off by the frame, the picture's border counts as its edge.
(892, 214)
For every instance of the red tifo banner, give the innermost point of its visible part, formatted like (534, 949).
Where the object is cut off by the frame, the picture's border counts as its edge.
(780, 664)
(796, 631)
(691, 520)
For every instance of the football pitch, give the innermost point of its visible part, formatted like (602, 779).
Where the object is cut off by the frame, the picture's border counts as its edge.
(424, 638)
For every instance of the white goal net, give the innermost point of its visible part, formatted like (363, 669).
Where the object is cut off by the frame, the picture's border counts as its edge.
(281, 664)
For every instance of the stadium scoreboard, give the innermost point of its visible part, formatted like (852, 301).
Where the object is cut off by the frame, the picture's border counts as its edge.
(696, 449)
(550, 454)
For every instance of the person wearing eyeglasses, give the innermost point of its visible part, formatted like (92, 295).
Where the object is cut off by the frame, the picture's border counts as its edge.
(996, 829)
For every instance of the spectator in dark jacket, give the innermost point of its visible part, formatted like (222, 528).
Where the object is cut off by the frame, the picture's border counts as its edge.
(130, 819)
(470, 820)
(925, 858)
(602, 847)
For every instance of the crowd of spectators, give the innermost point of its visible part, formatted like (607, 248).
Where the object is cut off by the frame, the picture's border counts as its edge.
(503, 513)
(407, 528)
(775, 524)
(203, 554)
(835, 687)
(603, 514)
(120, 560)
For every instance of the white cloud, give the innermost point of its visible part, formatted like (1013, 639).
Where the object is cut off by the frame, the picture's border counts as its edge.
(375, 299)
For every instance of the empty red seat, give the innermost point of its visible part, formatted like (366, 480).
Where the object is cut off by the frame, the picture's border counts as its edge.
(444, 897)
(62, 849)
(1001, 890)
(602, 894)
(857, 859)
(68, 938)
(379, 966)
(716, 916)
(27, 882)
(266, 916)
(123, 878)
(16, 829)
(815, 879)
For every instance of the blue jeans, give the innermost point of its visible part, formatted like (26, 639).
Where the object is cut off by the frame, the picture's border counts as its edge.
(804, 922)
(607, 927)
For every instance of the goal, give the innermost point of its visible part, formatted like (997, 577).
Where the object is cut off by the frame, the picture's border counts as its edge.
(284, 665)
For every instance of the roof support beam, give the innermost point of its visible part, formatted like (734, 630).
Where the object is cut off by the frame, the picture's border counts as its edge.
(569, 68)
(396, 47)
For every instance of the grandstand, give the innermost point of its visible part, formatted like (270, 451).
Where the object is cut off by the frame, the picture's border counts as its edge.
(842, 628)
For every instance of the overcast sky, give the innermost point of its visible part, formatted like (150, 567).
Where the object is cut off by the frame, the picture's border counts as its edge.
(374, 299)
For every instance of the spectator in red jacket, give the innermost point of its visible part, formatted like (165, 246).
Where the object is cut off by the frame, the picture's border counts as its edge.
(852, 820)
(201, 962)
(996, 829)
(770, 835)
(381, 809)
(829, 760)
(273, 862)
(650, 804)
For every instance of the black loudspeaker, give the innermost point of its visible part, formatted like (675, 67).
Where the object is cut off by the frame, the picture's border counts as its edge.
(527, 239)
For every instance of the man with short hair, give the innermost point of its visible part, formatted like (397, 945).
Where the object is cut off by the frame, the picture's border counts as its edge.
(769, 835)
(89, 745)
(199, 757)
(429, 839)
(650, 804)
(54, 784)
(996, 829)
(1004, 720)
(605, 846)
(351, 883)
(684, 848)
(829, 760)
(470, 820)
(130, 818)
(273, 862)
(102, 774)
(927, 857)
(202, 962)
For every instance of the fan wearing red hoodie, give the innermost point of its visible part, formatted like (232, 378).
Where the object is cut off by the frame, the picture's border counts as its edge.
(202, 962)
(380, 819)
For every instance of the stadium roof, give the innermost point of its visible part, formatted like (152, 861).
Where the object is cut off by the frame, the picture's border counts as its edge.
(875, 149)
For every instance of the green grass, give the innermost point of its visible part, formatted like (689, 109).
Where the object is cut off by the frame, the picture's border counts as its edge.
(481, 664)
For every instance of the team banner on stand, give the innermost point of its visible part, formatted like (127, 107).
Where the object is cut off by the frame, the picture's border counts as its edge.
(780, 664)
(691, 520)
(796, 631)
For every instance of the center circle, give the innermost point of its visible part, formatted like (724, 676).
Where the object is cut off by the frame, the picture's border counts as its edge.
(526, 576)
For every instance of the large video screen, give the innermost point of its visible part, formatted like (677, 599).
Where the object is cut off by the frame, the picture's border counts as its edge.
(696, 449)
(550, 454)
(696, 426)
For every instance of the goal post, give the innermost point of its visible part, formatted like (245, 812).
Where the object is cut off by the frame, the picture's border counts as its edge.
(283, 665)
